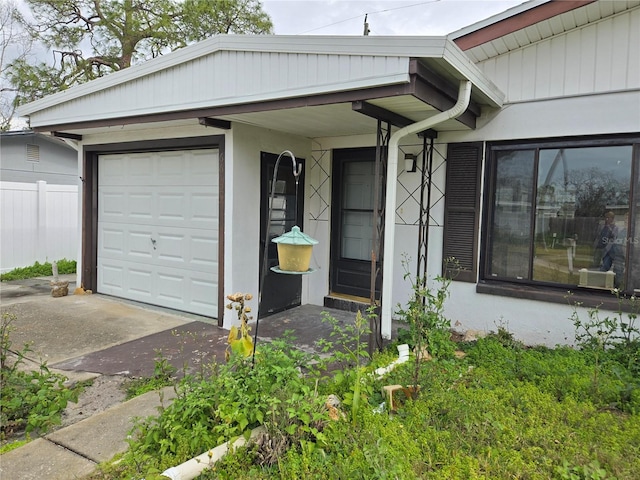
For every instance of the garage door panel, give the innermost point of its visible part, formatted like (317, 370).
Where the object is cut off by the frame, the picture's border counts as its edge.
(204, 211)
(140, 281)
(112, 278)
(171, 287)
(173, 248)
(113, 205)
(139, 243)
(201, 170)
(158, 229)
(202, 249)
(193, 246)
(139, 206)
(189, 206)
(113, 241)
(140, 170)
(113, 172)
(171, 206)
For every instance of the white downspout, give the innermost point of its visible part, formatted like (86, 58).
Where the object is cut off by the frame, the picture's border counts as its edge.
(464, 96)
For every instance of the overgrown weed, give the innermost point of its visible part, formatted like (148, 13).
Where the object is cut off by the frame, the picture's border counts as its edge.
(31, 401)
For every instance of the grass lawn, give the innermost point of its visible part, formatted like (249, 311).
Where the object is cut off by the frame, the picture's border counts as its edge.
(503, 411)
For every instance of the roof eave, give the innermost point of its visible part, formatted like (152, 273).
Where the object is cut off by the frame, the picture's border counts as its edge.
(342, 45)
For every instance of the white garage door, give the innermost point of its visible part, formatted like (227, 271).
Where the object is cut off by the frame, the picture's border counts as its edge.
(158, 228)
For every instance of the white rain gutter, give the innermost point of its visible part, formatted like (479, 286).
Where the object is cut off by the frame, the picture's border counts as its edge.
(464, 97)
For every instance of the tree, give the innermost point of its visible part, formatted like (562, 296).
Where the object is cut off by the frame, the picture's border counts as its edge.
(119, 33)
(15, 45)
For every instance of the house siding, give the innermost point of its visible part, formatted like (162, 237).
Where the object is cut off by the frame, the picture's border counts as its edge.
(596, 58)
(231, 77)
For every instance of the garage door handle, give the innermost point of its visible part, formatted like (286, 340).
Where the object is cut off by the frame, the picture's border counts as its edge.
(153, 242)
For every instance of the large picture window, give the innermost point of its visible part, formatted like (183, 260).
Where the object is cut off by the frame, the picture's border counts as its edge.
(564, 214)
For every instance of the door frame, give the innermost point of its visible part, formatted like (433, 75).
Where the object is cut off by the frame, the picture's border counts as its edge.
(89, 218)
(284, 282)
(357, 268)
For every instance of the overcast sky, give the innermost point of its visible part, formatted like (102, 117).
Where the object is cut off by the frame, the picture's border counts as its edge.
(385, 17)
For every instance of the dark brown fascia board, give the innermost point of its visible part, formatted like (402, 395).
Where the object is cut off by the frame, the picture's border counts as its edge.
(380, 113)
(388, 116)
(518, 22)
(70, 136)
(214, 122)
(280, 104)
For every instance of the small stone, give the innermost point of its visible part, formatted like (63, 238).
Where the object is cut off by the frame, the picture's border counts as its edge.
(59, 289)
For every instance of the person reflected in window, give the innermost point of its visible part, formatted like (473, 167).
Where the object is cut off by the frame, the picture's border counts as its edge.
(619, 252)
(605, 243)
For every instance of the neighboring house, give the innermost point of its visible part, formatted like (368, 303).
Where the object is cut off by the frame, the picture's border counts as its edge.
(29, 157)
(540, 137)
(39, 192)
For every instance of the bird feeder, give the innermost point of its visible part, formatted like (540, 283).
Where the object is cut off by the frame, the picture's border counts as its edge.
(294, 252)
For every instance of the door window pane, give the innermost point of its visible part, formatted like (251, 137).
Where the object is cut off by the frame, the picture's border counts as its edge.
(357, 210)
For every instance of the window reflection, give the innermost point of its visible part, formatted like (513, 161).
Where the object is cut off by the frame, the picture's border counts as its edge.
(575, 228)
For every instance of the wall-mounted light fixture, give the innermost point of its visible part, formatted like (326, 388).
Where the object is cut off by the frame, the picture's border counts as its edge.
(410, 162)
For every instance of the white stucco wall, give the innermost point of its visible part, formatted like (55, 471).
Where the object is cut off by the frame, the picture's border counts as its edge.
(242, 206)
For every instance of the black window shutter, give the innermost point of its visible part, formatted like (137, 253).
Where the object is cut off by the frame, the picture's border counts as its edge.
(462, 210)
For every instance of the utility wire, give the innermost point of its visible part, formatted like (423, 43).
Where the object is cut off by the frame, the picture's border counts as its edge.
(367, 13)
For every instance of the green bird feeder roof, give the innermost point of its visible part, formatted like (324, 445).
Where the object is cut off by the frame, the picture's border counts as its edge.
(295, 237)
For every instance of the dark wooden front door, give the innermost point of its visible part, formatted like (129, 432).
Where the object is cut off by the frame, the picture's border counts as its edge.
(280, 291)
(352, 220)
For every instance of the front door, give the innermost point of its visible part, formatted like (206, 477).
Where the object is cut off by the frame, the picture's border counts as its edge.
(280, 291)
(352, 220)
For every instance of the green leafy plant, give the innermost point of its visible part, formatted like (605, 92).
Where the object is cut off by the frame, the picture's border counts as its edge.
(592, 471)
(429, 330)
(613, 340)
(347, 348)
(163, 376)
(29, 400)
(39, 270)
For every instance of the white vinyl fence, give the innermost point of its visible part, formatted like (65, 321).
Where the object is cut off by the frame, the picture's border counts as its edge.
(38, 222)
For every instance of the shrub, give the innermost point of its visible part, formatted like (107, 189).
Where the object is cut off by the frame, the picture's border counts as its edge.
(29, 400)
(39, 270)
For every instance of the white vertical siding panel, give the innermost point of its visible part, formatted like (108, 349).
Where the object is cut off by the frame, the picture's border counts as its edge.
(543, 69)
(603, 56)
(600, 57)
(502, 70)
(585, 51)
(620, 51)
(303, 70)
(516, 74)
(633, 62)
(558, 66)
(572, 65)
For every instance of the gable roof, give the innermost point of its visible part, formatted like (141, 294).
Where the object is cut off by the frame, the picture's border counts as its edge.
(228, 74)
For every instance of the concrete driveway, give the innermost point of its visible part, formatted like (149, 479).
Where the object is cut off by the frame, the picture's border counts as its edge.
(97, 334)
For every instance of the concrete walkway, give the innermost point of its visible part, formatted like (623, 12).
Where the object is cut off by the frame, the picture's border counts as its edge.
(74, 452)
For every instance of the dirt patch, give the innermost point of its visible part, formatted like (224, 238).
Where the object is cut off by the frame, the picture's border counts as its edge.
(105, 391)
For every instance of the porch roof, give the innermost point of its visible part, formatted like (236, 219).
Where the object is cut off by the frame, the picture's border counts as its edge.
(307, 85)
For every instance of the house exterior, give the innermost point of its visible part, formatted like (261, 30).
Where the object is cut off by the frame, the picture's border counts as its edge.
(27, 157)
(39, 199)
(501, 145)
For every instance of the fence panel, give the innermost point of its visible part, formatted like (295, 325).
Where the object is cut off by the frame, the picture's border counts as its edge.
(38, 222)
